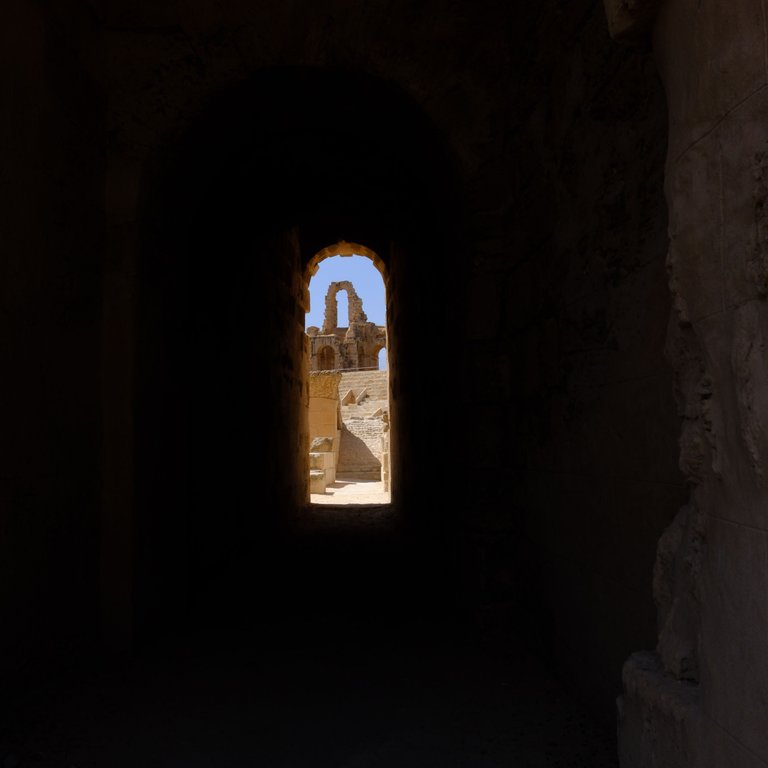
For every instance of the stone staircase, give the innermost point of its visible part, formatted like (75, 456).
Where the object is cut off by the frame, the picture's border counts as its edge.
(357, 450)
(364, 411)
(375, 383)
(363, 394)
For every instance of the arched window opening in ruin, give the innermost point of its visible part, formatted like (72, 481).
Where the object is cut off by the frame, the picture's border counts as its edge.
(348, 386)
(342, 305)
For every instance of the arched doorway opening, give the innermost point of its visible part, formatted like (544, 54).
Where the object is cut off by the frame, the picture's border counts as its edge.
(231, 227)
(349, 424)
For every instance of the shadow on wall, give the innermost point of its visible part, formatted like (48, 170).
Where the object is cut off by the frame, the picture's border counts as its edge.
(356, 459)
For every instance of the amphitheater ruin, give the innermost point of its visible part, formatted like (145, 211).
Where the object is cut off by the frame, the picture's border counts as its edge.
(348, 397)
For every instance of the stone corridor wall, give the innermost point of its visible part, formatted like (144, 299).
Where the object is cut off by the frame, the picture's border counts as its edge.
(568, 324)
(702, 695)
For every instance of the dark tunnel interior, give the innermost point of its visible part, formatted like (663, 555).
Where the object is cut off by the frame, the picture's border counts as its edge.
(483, 618)
(321, 157)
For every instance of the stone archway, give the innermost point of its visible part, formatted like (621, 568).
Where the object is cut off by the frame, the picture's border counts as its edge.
(356, 314)
(361, 444)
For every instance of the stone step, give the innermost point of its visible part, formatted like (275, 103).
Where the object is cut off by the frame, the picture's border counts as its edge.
(363, 411)
(375, 382)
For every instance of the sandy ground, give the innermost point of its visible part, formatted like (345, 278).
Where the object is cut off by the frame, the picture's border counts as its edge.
(352, 492)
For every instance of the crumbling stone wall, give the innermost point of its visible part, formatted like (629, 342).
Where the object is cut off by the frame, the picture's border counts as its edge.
(699, 697)
(568, 317)
(354, 347)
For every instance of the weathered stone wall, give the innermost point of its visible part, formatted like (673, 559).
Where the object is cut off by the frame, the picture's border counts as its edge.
(572, 398)
(702, 697)
(360, 448)
(324, 408)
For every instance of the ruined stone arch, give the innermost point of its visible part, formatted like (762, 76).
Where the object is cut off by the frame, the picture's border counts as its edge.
(356, 313)
(358, 344)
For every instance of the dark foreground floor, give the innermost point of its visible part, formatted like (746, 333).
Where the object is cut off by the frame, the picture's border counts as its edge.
(326, 693)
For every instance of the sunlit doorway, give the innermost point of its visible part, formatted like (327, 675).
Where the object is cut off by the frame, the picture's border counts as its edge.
(349, 424)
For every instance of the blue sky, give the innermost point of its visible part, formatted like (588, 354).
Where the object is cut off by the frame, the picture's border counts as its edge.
(359, 270)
